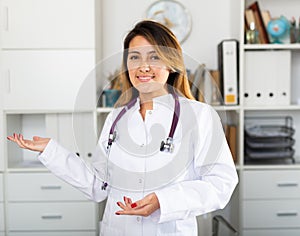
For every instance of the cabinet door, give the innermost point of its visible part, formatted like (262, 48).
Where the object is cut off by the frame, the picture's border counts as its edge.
(1, 217)
(49, 233)
(2, 140)
(48, 79)
(1, 188)
(42, 187)
(51, 216)
(77, 132)
(48, 24)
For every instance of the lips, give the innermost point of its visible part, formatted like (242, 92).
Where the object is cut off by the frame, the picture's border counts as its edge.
(145, 78)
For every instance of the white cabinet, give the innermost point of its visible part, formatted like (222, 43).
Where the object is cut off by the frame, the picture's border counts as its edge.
(52, 204)
(269, 87)
(36, 24)
(2, 228)
(47, 88)
(66, 233)
(75, 131)
(2, 141)
(48, 80)
(271, 200)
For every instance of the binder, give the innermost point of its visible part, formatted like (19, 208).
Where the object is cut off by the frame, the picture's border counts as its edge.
(228, 65)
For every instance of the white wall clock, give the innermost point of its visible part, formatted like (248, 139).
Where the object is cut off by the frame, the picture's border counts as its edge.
(172, 14)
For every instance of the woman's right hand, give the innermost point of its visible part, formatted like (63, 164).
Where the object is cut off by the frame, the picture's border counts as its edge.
(37, 144)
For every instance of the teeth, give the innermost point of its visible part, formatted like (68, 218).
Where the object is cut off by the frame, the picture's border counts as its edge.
(144, 77)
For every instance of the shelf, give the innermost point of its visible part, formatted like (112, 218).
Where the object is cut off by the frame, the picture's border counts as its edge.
(272, 167)
(104, 109)
(226, 108)
(295, 46)
(272, 108)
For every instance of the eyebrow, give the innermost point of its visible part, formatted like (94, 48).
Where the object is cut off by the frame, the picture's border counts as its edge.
(150, 52)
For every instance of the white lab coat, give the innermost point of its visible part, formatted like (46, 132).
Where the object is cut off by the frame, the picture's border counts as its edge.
(198, 177)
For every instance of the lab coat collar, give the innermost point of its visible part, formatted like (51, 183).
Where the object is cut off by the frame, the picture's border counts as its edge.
(165, 100)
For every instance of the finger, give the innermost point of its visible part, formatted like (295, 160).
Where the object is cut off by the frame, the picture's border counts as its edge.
(23, 142)
(143, 211)
(17, 140)
(10, 138)
(36, 138)
(139, 203)
(121, 205)
(128, 201)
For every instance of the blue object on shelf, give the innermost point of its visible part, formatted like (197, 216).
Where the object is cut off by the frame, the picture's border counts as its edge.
(278, 28)
(111, 97)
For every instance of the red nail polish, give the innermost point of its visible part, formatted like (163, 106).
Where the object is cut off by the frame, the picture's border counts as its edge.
(118, 203)
(124, 199)
(133, 205)
(117, 213)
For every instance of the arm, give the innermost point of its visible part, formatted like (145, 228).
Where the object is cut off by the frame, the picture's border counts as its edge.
(68, 166)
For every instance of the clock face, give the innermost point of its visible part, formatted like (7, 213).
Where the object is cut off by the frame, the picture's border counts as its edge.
(173, 15)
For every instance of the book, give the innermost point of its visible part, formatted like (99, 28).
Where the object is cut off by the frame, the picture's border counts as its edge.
(231, 137)
(249, 18)
(259, 23)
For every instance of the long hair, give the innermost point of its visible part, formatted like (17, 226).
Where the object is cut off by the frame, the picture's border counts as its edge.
(168, 49)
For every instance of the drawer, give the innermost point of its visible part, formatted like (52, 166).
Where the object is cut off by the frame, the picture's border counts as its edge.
(272, 232)
(1, 217)
(51, 216)
(1, 188)
(271, 214)
(40, 187)
(271, 184)
(69, 233)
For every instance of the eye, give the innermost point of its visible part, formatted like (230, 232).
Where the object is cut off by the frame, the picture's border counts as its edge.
(133, 57)
(154, 57)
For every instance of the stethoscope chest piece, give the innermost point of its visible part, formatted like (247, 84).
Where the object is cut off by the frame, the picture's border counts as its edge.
(167, 146)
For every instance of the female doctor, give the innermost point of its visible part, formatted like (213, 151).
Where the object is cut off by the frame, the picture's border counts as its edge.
(162, 158)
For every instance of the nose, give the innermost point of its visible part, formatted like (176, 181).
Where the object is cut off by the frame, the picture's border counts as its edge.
(145, 67)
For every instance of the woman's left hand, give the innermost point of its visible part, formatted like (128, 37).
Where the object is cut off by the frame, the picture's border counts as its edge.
(143, 207)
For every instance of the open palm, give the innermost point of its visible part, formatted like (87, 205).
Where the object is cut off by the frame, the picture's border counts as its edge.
(37, 144)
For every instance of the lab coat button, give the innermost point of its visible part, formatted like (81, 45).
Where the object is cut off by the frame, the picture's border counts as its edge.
(140, 181)
(138, 219)
(150, 112)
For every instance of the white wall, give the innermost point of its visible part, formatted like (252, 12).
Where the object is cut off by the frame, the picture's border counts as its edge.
(213, 20)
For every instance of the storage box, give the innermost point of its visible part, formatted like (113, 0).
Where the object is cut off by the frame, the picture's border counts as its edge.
(267, 78)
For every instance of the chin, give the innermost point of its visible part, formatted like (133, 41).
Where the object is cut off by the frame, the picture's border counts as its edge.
(150, 88)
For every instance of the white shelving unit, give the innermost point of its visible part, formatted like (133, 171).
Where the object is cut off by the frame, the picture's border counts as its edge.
(47, 49)
(269, 192)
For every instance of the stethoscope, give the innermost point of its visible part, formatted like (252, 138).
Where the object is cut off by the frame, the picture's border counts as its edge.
(165, 146)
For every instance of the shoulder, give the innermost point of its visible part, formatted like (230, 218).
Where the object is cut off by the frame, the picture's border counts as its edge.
(196, 106)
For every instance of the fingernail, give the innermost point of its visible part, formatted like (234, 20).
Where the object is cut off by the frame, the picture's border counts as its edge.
(117, 213)
(124, 199)
(118, 203)
(133, 205)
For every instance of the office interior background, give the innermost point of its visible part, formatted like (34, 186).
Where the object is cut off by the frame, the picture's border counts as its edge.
(56, 61)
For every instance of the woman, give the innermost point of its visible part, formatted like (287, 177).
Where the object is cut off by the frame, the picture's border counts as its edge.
(153, 185)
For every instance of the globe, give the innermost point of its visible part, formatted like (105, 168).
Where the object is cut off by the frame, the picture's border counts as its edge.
(278, 28)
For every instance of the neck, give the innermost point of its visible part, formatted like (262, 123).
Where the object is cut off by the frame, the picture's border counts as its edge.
(146, 102)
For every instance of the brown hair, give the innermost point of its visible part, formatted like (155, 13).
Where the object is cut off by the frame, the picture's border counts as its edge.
(169, 50)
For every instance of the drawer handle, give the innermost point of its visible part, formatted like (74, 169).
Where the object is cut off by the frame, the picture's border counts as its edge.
(287, 184)
(51, 217)
(51, 187)
(287, 214)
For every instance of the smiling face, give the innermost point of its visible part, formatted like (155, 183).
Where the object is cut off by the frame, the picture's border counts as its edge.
(147, 72)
